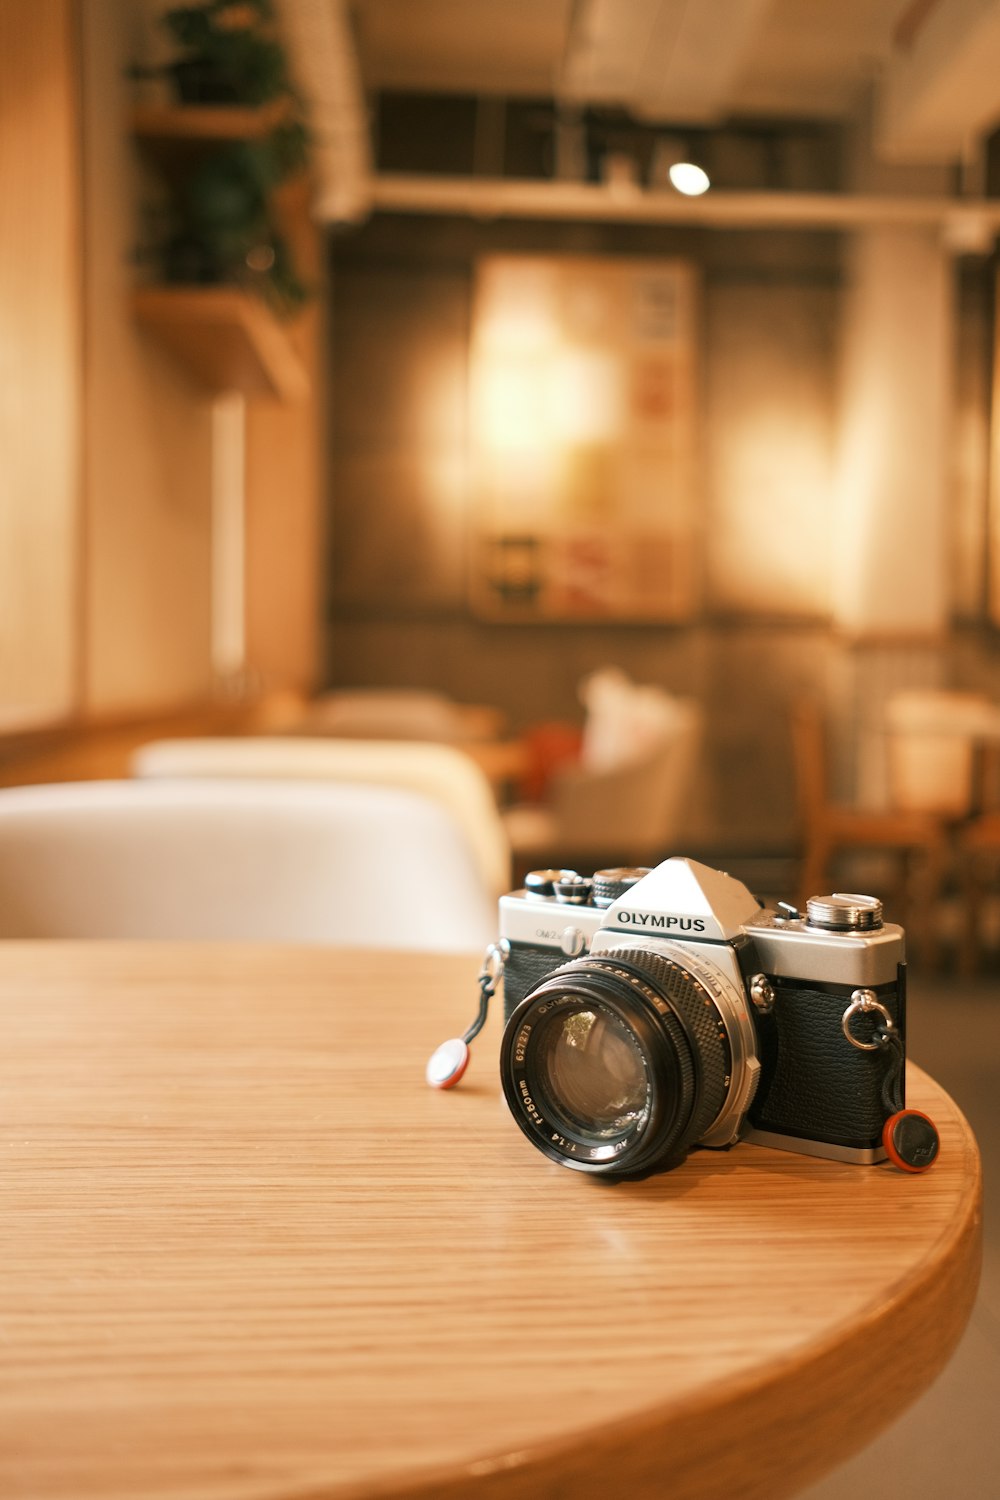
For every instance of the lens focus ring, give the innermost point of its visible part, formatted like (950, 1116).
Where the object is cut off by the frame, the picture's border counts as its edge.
(695, 1010)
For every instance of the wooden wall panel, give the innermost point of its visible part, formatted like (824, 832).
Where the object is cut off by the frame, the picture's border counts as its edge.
(148, 427)
(106, 444)
(285, 489)
(284, 552)
(40, 352)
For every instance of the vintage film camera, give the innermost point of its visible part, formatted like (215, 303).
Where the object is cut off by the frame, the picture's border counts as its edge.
(650, 1011)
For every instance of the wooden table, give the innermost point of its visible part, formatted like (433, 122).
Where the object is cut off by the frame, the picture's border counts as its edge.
(247, 1254)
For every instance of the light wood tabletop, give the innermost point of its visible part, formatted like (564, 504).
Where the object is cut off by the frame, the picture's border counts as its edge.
(248, 1255)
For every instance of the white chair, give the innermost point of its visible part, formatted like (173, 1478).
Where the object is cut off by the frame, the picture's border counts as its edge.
(360, 866)
(632, 813)
(438, 771)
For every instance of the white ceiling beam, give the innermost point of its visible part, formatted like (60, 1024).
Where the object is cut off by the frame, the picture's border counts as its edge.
(325, 67)
(966, 224)
(941, 88)
(670, 60)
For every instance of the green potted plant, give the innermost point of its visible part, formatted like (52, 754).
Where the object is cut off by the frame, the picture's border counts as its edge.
(228, 53)
(221, 225)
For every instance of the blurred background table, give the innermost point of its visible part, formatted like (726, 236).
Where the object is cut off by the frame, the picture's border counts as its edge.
(248, 1253)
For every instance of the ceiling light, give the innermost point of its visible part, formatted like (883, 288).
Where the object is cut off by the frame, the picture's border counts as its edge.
(674, 163)
(688, 178)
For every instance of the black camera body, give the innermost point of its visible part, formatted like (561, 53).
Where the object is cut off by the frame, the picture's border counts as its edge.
(649, 1011)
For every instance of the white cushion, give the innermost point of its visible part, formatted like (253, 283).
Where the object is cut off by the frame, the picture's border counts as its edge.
(625, 722)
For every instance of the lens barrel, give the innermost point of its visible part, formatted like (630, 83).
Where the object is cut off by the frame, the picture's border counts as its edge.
(616, 1063)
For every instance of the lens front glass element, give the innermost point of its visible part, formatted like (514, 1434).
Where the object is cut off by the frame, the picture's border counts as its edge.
(595, 1081)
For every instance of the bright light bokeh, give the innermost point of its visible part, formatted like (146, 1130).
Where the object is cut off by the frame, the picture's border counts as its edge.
(689, 179)
(513, 401)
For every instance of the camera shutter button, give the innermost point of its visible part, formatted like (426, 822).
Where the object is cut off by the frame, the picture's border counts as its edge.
(573, 889)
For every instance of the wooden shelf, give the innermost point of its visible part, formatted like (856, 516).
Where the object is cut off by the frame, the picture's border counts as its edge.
(226, 338)
(174, 137)
(207, 122)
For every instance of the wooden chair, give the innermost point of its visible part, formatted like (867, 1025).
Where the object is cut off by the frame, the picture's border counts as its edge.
(917, 841)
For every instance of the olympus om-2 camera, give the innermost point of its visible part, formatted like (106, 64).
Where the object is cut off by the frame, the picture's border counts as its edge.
(650, 1011)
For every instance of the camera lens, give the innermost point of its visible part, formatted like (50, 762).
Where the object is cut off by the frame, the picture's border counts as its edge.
(617, 1062)
(592, 1073)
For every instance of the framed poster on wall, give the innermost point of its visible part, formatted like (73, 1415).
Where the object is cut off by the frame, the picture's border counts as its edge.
(583, 409)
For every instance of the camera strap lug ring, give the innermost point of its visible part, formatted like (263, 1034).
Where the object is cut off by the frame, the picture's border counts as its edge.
(490, 975)
(494, 962)
(864, 1002)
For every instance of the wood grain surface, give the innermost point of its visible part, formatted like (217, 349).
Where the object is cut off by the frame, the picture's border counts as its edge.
(41, 358)
(247, 1255)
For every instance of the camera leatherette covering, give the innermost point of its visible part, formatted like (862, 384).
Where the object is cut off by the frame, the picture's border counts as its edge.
(526, 966)
(814, 1084)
